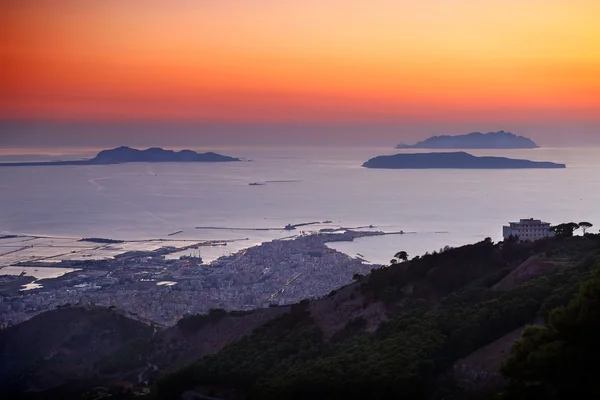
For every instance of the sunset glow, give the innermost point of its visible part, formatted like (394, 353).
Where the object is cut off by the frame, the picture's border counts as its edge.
(300, 60)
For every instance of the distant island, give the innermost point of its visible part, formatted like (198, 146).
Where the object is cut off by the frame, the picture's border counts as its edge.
(125, 154)
(455, 160)
(475, 140)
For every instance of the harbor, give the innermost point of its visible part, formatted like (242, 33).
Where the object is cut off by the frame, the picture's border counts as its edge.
(163, 280)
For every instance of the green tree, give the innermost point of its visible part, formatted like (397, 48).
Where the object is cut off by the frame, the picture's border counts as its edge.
(401, 255)
(559, 360)
(585, 226)
(565, 230)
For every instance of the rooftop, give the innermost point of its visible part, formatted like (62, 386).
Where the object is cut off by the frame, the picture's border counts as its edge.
(531, 221)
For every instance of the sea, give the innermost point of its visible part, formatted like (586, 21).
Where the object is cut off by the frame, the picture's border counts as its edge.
(434, 208)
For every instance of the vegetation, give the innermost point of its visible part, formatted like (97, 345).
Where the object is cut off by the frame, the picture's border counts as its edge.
(566, 229)
(559, 359)
(441, 308)
(291, 336)
(128, 357)
(401, 255)
(192, 323)
(585, 226)
(436, 310)
(59, 352)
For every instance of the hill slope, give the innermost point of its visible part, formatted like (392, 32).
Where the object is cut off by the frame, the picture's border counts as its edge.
(418, 329)
(60, 347)
(70, 350)
(399, 330)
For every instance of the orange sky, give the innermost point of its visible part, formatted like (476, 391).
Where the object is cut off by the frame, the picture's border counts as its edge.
(300, 60)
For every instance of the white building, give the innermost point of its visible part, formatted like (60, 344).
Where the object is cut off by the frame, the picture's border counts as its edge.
(527, 229)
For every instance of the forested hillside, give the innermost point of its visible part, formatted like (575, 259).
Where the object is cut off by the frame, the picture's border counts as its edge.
(440, 326)
(433, 311)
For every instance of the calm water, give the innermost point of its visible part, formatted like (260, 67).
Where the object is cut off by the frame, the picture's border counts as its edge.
(37, 272)
(145, 201)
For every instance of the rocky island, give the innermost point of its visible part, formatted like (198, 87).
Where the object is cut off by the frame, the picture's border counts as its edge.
(474, 140)
(125, 154)
(454, 160)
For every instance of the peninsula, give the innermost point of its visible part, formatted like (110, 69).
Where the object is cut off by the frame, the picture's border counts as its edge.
(475, 140)
(125, 154)
(454, 160)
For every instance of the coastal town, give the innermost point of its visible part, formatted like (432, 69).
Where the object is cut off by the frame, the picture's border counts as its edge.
(151, 287)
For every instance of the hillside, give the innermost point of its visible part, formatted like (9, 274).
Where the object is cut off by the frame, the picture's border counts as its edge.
(435, 327)
(69, 351)
(400, 330)
(192, 338)
(59, 348)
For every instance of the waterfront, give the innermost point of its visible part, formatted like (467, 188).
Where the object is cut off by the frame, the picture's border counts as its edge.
(153, 287)
(155, 213)
(151, 201)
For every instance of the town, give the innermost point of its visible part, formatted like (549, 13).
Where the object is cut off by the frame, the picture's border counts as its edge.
(149, 286)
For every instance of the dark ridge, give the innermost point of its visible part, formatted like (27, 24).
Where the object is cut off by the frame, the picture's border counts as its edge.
(59, 347)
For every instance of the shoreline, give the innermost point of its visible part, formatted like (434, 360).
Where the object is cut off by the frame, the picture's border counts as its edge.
(275, 272)
(108, 244)
(42, 251)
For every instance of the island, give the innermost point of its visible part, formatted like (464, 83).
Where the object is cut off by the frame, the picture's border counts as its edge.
(455, 160)
(474, 140)
(125, 154)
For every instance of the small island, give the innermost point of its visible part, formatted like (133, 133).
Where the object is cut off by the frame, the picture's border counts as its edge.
(125, 154)
(474, 140)
(456, 160)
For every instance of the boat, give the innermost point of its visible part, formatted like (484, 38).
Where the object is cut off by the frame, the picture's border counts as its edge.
(256, 184)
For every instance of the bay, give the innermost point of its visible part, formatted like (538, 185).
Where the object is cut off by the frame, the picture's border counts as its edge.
(308, 184)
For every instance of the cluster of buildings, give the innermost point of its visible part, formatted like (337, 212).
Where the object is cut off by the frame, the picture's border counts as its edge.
(154, 288)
